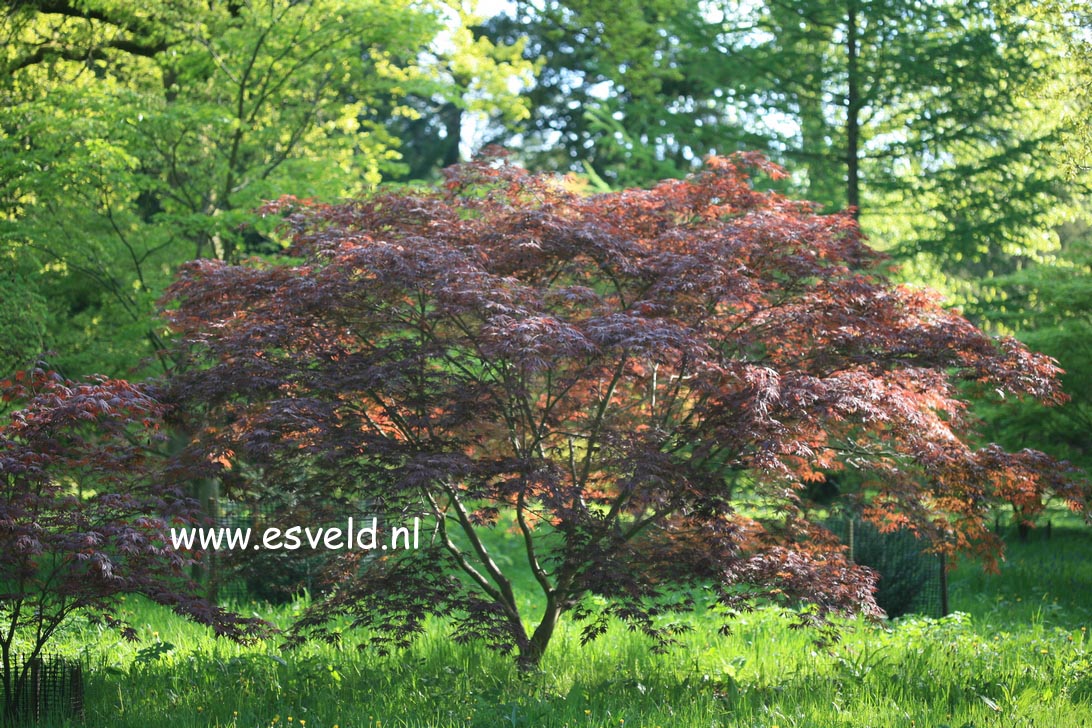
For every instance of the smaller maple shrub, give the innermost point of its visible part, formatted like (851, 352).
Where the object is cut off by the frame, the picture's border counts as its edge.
(84, 516)
(639, 384)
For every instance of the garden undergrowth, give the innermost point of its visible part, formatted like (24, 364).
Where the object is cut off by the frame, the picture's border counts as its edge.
(1014, 653)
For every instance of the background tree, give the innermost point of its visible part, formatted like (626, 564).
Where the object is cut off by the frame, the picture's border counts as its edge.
(1046, 301)
(441, 123)
(935, 119)
(1047, 306)
(626, 92)
(639, 384)
(135, 137)
(23, 319)
(83, 518)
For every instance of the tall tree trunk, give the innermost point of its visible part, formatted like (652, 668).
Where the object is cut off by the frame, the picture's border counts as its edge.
(453, 123)
(853, 110)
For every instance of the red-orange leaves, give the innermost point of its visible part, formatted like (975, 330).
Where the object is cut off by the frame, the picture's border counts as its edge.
(611, 376)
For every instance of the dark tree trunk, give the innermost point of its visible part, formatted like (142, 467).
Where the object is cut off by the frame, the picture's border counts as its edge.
(853, 111)
(8, 716)
(530, 656)
(453, 123)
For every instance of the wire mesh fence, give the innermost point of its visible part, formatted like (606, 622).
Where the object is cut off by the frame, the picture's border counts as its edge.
(912, 581)
(39, 689)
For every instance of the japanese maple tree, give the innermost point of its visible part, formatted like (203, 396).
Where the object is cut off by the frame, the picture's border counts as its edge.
(639, 384)
(85, 504)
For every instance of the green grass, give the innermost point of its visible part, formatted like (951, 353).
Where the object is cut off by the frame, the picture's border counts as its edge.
(1015, 654)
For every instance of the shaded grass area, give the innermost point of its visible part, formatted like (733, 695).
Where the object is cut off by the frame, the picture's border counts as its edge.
(1048, 577)
(1015, 654)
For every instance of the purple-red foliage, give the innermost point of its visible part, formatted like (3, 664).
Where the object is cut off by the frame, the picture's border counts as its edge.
(639, 384)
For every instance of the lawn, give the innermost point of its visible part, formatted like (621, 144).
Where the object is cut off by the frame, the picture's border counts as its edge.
(1014, 653)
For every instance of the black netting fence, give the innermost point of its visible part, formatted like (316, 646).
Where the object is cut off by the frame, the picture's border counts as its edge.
(46, 688)
(912, 581)
(272, 575)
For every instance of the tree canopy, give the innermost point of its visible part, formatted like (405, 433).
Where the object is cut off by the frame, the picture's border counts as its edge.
(640, 384)
(940, 121)
(136, 136)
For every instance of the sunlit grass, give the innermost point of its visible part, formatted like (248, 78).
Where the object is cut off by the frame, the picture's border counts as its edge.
(1016, 654)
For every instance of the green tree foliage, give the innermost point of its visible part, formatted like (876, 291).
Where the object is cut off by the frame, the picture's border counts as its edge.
(135, 136)
(1049, 306)
(936, 119)
(433, 122)
(23, 320)
(625, 91)
(1047, 302)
